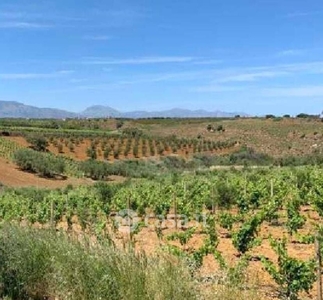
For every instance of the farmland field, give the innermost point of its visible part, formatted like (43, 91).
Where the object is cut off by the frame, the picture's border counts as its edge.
(247, 230)
(161, 150)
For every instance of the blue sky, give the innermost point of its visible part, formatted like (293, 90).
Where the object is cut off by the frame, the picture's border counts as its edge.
(255, 56)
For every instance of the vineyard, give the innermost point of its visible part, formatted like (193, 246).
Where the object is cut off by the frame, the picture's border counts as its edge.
(216, 221)
(8, 148)
(161, 150)
(236, 220)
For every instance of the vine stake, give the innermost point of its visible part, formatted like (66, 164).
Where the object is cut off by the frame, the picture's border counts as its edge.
(319, 265)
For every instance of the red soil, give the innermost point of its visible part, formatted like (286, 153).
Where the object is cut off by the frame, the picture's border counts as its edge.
(12, 176)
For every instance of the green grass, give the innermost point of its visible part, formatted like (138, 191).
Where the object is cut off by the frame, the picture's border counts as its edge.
(35, 264)
(43, 264)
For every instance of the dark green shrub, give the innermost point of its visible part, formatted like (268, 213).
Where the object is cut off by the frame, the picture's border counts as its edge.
(95, 169)
(91, 152)
(38, 143)
(44, 164)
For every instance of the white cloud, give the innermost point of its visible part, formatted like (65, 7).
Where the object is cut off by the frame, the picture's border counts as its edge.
(12, 14)
(304, 14)
(245, 77)
(218, 79)
(290, 52)
(301, 92)
(139, 60)
(216, 89)
(295, 68)
(208, 62)
(22, 76)
(23, 25)
(119, 14)
(98, 37)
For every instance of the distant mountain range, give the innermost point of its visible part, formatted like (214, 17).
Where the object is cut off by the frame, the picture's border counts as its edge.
(11, 109)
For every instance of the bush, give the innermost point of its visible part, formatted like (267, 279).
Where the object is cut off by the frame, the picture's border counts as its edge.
(44, 164)
(173, 162)
(60, 148)
(135, 169)
(71, 147)
(119, 124)
(91, 152)
(38, 143)
(250, 156)
(310, 159)
(226, 194)
(132, 132)
(94, 169)
(305, 116)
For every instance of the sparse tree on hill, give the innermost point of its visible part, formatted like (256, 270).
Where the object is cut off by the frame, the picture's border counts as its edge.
(38, 143)
(91, 153)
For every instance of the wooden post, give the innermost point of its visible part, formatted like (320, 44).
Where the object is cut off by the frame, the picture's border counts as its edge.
(213, 201)
(128, 211)
(319, 266)
(175, 211)
(52, 224)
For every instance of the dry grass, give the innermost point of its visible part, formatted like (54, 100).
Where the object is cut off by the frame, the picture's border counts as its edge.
(274, 137)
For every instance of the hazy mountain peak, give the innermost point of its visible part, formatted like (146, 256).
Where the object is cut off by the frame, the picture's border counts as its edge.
(100, 111)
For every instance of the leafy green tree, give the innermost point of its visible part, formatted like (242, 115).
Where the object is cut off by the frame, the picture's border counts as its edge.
(71, 147)
(60, 148)
(119, 124)
(94, 169)
(135, 150)
(107, 152)
(209, 127)
(91, 152)
(38, 143)
(225, 194)
(116, 153)
(220, 128)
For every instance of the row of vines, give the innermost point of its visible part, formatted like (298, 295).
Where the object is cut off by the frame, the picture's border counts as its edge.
(237, 203)
(8, 148)
(246, 191)
(118, 147)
